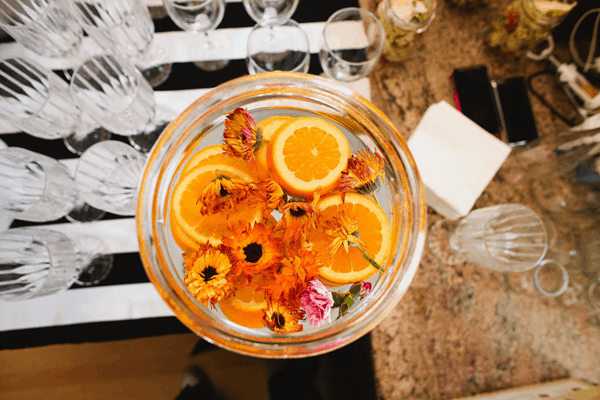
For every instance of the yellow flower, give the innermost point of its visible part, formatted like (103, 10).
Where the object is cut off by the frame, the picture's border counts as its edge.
(242, 136)
(282, 318)
(361, 173)
(252, 249)
(222, 194)
(272, 195)
(206, 275)
(296, 218)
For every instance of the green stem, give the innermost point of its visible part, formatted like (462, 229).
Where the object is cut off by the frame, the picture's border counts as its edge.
(366, 256)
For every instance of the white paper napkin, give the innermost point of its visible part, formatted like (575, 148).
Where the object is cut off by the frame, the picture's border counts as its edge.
(456, 159)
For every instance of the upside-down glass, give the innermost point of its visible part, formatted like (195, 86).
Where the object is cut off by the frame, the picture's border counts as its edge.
(283, 47)
(41, 262)
(282, 93)
(108, 175)
(351, 44)
(270, 12)
(124, 27)
(45, 27)
(506, 237)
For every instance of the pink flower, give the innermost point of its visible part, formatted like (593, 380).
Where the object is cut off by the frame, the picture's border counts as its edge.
(366, 289)
(316, 302)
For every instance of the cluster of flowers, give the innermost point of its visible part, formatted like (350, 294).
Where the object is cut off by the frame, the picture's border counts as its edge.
(279, 251)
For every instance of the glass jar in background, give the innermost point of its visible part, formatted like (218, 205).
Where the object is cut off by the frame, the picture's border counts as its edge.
(403, 21)
(524, 23)
(463, 3)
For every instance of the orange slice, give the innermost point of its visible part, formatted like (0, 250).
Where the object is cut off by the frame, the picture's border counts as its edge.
(215, 155)
(375, 232)
(268, 127)
(245, 306)
(208, 228)
(184, 242)
(308, 154)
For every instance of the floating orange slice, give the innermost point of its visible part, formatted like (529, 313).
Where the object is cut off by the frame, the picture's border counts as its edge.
(208, 228)
(268, 127)
(245, 306)
(375, 232)
(306, 155)
(215, 155)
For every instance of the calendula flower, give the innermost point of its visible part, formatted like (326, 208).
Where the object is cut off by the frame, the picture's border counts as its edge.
(361, 173)
(206, 275)
(282, 318)
(242, 136)
(297, 217)
(252, 248)
(316, 302)
(272, 195)
(223, 193)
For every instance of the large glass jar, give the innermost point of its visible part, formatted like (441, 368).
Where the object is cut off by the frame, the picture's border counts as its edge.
(401, 196)
(403, 22)
(525, 23)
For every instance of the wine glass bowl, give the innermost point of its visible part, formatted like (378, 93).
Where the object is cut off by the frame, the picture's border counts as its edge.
(270, 12)
(264, 95)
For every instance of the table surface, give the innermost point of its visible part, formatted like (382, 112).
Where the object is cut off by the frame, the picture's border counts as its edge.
(459, 330)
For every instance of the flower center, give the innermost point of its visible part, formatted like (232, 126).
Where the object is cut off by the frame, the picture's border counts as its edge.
(253, 252)
(298, 212)
(208, 273)
(279, 320)
(223, 192)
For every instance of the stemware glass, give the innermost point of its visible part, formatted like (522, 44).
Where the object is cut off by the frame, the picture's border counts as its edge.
(351, 44)
(201, 17)
(507, 237)
(38, 188)
(283, 47)
(40, 262)
(108, 176)
(37, 101)
(114, 93)
(125, 27)
(270, 12)
(45, 27)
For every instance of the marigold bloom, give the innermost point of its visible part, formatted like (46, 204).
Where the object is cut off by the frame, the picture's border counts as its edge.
(242, 136)
(297, 217)
(361, 173)
(271, 194)
(206, 275)
(282, 318)
(252, 249)
(222, 194)
(343, 230)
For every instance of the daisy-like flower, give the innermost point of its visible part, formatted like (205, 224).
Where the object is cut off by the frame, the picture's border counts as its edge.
(343, 231)
(272, 195)
(223, 193)
(282, 318)
(252, 249)
(242, 136)
(206, 275)
(297, 217)
(361, 173)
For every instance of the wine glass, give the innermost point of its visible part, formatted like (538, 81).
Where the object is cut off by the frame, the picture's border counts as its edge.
(507, 237)
(37, 101)
(283, 47)
(41, 262)
(201, 17)
(114, 93)
(124, 27)
(38, 188)
(351, 44)
(270, 12)
(108, 176)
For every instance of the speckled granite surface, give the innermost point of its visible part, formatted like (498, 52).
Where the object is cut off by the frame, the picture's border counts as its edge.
(464, 330)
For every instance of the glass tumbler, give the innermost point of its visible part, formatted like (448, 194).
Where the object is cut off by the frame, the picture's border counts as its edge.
(507, 237)
(351, 44)
(45, 27)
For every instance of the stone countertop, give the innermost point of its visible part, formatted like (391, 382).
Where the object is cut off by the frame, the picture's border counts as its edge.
(463, 330)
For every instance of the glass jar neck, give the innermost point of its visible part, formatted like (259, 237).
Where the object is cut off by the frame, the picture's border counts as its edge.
(411, 15)
(546, 13)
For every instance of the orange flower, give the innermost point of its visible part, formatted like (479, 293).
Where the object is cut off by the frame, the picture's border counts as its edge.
(223, 193)
(252, 249)
(272, 195)
(297, 217)
(361, 173)
(206, 275)
(282, 318)
(242, 136)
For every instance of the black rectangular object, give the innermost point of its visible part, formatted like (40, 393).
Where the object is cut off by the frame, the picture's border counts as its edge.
(518, 122)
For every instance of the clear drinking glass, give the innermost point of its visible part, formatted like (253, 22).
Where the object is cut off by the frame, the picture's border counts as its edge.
(270, 12)
(114, 93)
(39, 262)
(124, 27)
(108, 176)
(201, 17)
(45, 27)
(507, 237)
(351, 44)
(283, 47)
(551, 278)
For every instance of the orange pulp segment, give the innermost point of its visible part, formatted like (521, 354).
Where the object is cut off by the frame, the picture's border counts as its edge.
(268, 127)
(375, 233)
(215, 154)
(306, 155)
(245, 306)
